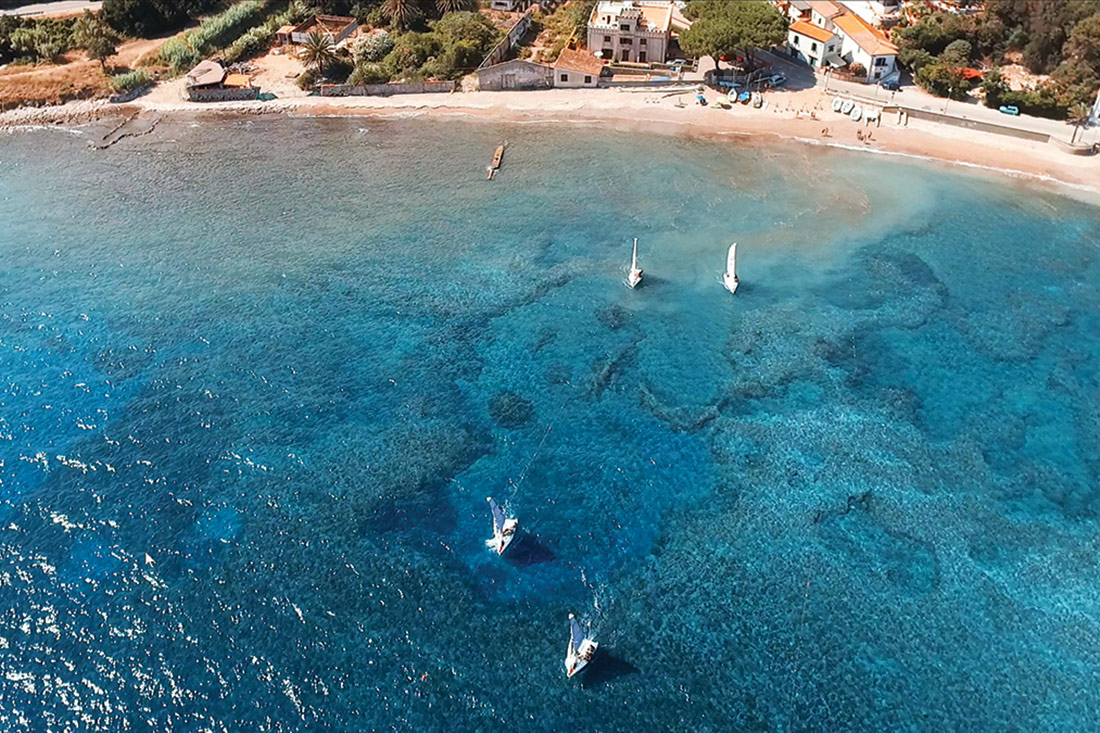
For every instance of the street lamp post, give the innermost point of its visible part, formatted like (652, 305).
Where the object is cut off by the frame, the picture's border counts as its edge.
(950, 91)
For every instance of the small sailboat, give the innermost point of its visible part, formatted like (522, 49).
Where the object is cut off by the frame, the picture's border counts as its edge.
(846, 108)
(837, 104)
(504, 528)
(580, 650)
(729, 278)
(856, 113)
(635, 275)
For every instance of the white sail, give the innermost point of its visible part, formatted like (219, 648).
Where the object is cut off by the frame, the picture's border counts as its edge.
(504, 528)
(729, 278)
(576, 634)
(498, 515)
(635, 275)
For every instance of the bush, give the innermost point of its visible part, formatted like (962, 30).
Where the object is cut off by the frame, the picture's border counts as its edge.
(187, 49)
(373, 47)
(259, 39)
(223, 28)
(857, 69)
(307, 79)
(41, 40)
(178, 54)
(122, 83)
(253, 43)
(338, 69)
(369, 73)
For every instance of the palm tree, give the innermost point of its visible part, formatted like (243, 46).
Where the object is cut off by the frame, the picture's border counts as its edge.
(453, 6)
(317, 51)
(1078, 116)
(402, 12)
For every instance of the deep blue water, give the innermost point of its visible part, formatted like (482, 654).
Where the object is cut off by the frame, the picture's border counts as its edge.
(289, 359)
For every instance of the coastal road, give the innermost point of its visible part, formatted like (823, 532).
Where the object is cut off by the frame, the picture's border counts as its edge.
(802, 76)
(61, 7)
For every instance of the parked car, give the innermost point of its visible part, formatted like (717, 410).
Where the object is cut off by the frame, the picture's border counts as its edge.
(777, 79)
(891, 85)
(1010, 109)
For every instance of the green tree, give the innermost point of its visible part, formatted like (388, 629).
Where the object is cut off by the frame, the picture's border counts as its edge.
(1078, 116)
(475, 28)
(915, 58)
(402, 13)
(943, 81)
(933, 33)
(722, 29)
(147, 18)
(957, 53)
(317, 51)
(95, 36)
(411, 52)
(1075, 81)
(995, 88)
(1084, 41)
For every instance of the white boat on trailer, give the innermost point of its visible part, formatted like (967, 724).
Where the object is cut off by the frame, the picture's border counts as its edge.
(635, 275)
(504, 528)
(729, 278)
(581, 649)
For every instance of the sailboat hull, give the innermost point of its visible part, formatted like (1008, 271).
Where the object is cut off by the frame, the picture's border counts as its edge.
(634, 278)
(499, 542)
(575, 662)
(730, 282)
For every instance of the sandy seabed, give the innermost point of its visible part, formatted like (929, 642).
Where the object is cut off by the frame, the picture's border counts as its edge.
(800, 117)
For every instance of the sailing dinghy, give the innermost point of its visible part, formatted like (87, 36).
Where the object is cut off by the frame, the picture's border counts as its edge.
(635, 275)
(504, 528)
(580, 650)
(729, 278)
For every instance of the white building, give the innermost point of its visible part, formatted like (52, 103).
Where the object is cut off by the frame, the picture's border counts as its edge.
(862, 43)
(630, 30)
(879, 13)
(826, 33)
(812, 44)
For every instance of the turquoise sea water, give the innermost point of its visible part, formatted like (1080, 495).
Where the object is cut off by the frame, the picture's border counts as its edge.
(288, 359)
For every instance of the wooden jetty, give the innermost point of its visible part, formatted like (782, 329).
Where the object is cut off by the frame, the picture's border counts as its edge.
(498, 157)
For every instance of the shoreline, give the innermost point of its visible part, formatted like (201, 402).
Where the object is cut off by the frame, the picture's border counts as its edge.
(797, 117)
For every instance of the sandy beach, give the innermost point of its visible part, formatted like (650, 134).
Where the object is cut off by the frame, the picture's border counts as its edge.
(803, 117)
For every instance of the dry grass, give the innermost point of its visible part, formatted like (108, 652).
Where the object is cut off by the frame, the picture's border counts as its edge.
(77, 78)
(52, 83)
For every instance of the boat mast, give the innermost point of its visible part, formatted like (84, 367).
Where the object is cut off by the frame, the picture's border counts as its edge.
(634, 260)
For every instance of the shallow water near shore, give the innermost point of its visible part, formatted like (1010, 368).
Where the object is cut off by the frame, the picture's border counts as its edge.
(289, 358)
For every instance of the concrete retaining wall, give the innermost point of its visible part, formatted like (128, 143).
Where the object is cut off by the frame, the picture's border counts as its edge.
(924, 114)
(236, 94)
(385, 90)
